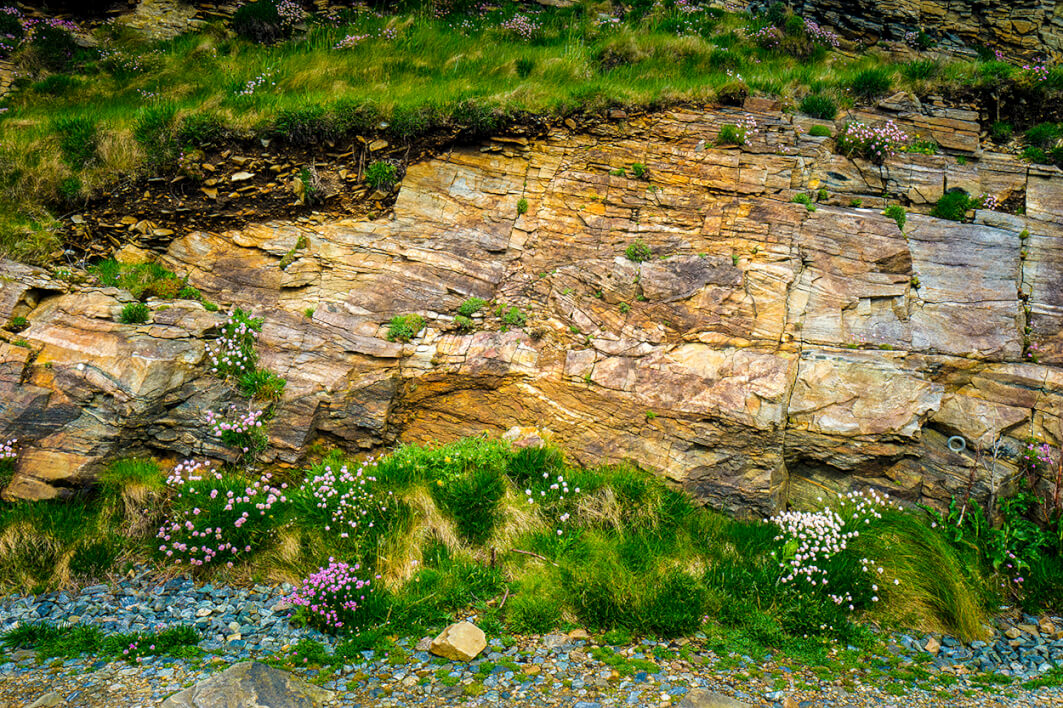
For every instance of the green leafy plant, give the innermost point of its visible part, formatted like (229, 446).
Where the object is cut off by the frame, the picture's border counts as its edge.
(134, 313)
(804, 199)
(1000, 131)
(17, 324)
(463, 323)
(1043, 135)
(925, 147)
(381, 175)
(403, 328)
(471, 306)
(897, 213)
(731, 134)
(522, 206)
(953, 205)
(639, 170)
(638, 251)
(511, 316)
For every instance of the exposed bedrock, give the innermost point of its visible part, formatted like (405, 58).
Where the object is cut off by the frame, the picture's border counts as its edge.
(764, 354)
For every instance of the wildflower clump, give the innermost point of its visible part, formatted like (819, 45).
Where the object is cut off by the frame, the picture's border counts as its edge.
(233, 353)
(877, 144)
(737, 133)
(815, 554)
(821, 36)
(522, 26)
(334, 598)
(241, 430)
(346, 497)
(8, 455)
(216, 518)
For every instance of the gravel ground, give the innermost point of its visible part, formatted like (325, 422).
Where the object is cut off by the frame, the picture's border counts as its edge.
(555, 670)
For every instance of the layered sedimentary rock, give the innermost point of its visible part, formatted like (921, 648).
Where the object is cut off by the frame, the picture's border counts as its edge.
(764, 353)
(1019, 28)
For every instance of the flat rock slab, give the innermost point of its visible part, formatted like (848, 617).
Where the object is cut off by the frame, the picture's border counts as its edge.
(251, 684)
(700, 698)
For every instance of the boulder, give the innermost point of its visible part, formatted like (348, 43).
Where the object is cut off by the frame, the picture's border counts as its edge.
(461, 641)
(251, 684)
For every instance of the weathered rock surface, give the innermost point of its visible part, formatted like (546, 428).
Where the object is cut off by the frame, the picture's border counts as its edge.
(251, 684)
(1025, 28)
(779, 351)
(461, 641)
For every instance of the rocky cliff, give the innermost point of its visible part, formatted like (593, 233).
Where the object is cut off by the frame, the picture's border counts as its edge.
(1019, 28)
(766, 352)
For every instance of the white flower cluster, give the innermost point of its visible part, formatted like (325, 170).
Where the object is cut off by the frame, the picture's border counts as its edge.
(552, 493)
(349, 497)
(814, 537)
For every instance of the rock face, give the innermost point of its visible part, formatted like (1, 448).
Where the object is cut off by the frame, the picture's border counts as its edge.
(251, 684)
(763, 354)
(1024, 28)
(461, 641)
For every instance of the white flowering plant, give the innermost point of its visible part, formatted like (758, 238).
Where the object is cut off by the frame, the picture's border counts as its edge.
(815, 551)
(233, 354)
(344, 499)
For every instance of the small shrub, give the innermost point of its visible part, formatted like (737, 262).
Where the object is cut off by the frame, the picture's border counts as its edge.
(1000, 132)
(819, 131)
(1036, 155)
(381, 175)
(804, 199)
(78, 139)
(870, 84)
(511, 316)
(819, 106)
(732, 93)
(471, 306)
(522, 206)
(639, 170)
(923, 147)
(56, 85)
(952, 205)
(134, 313)
(898, 214)
(306, 125)
(920, 70)
(403, 328)
(464, 324)
(637, 251)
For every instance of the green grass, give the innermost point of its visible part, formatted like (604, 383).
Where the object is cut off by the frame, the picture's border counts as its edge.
(77, 129)
(452, 529)
(66, 641)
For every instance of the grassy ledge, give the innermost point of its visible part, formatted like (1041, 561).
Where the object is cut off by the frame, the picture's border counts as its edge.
(83, 120)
